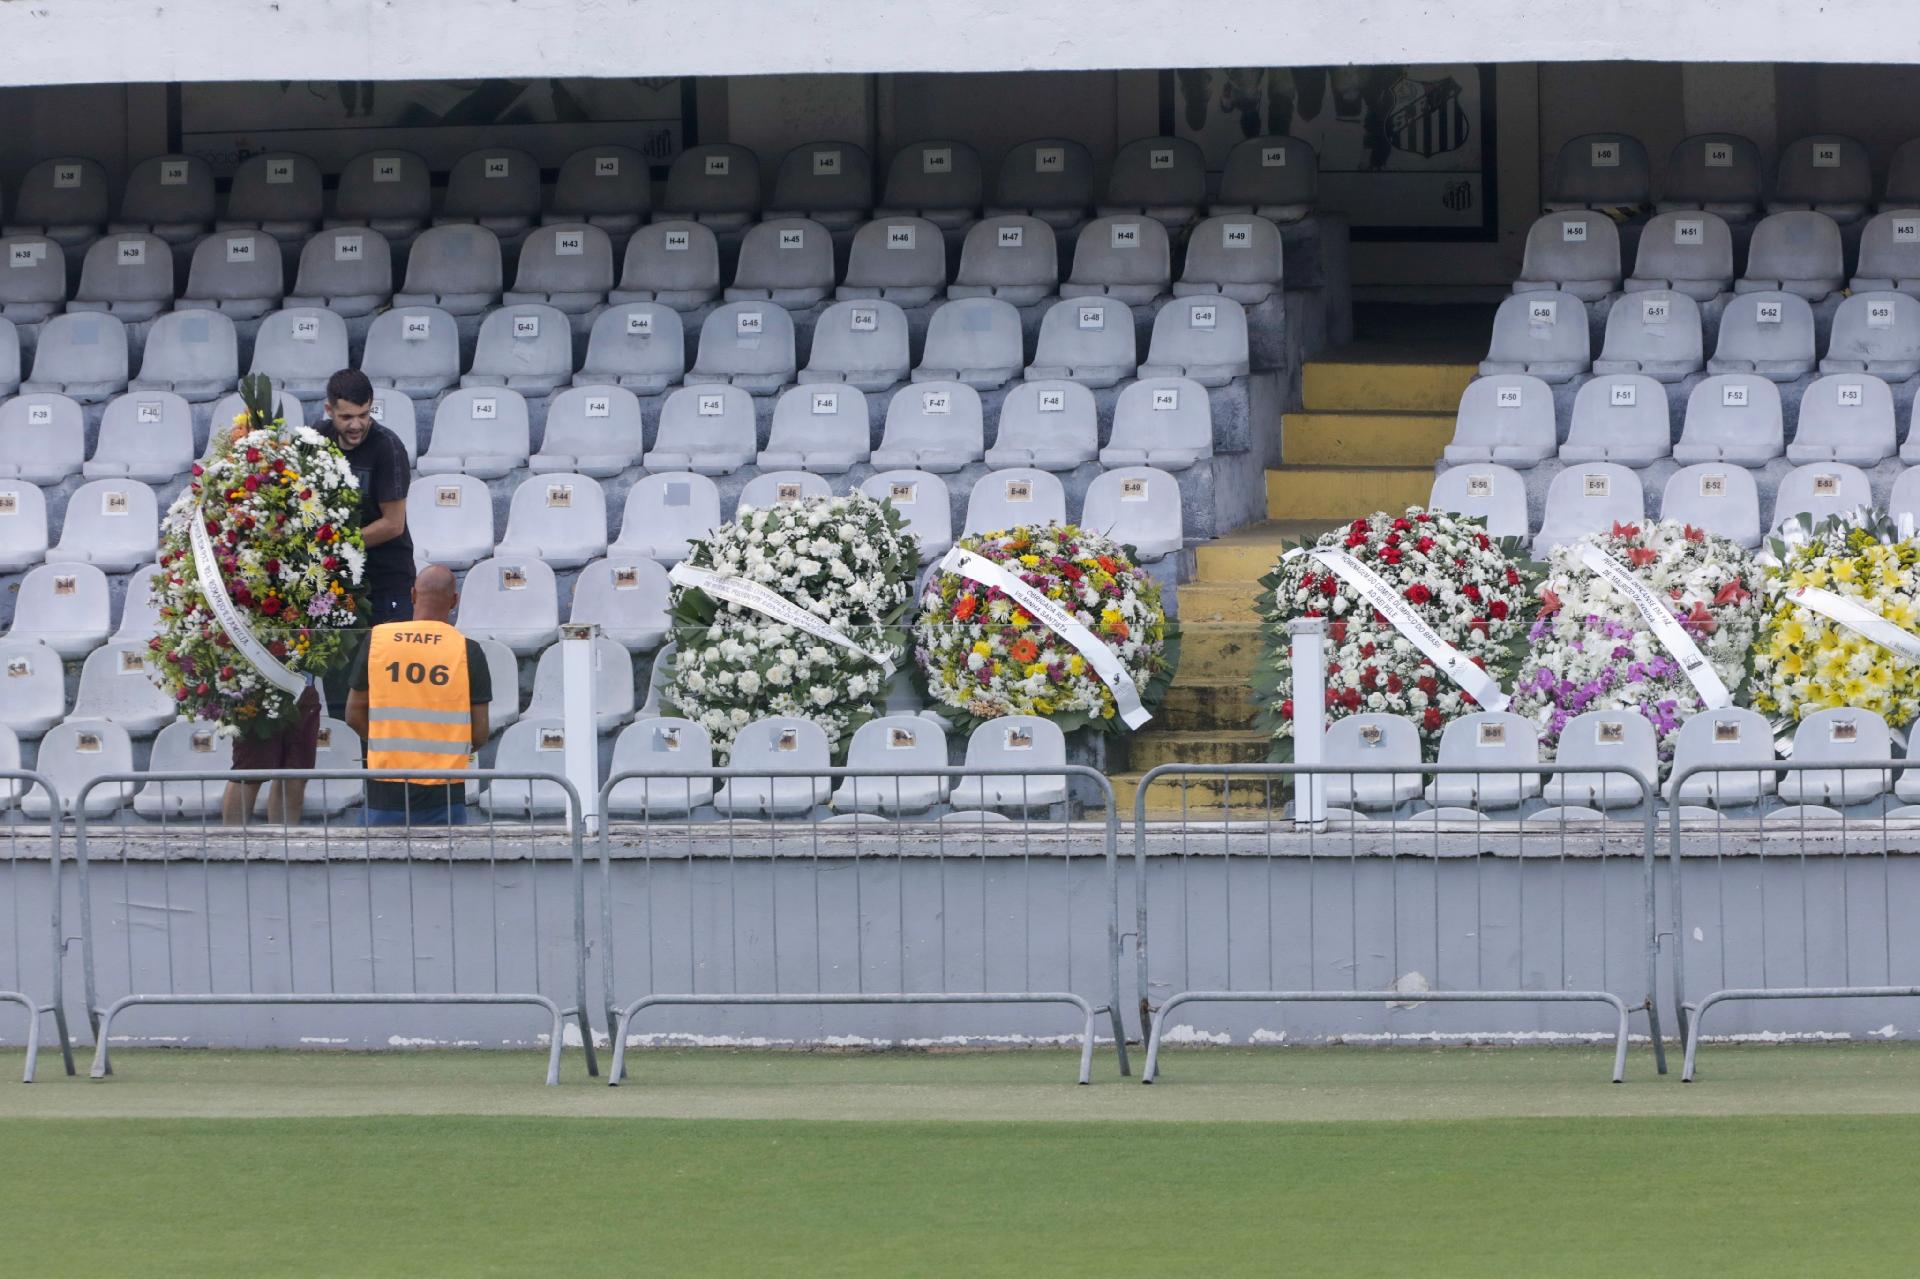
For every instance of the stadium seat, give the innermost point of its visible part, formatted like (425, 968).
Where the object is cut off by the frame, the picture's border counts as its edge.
(709, 430)
(23, 526)
(932, 426)
(1875, 333)
(194, 354)
(1272, 176)
(1845, 418)
(1001, 500)
(626, 597)
(455, 268)
(1771, 334)
(1827, 173)
(1011, 257)
(240, 273)
(1654, 333)
(1577, 253)
(1087, 340)
(497, 187)
(561, 517)
(1507, 419)
(1162, 178)
(511, 601)
(637, 345)
(830, 183)
(140, 613)
(299, 348)
(748, 345)
(659, 679)
(1050, 425)
(664, 513)
(503, 670)
(115, 685)
(528, 348)
(1904, 499)
(656, 745)
(1165, 423)
(128, 276)
(1047, 178)
(171, 196)
(64, 606)
(450, 519)
(9, 358)
(1499, 740)
(717, 185)
(530, 746)
(1126, 258)
(788, 262)
(566, 267)
(346, 270)
(64, 199)
(608, 187)
(1238, 256)
(481, 431)
(1733, 418)
(228, 407)
(1890, 253)
(33, 286)
(9, 760)
(36, 688)
(1619, 417)
(1021, 742)
(1371, 740)
(939, 181)
(1137, 506)
(972, 340)
(277, 192)
(923, 501)
(1839, 735)
(1544, 334)
(780, 744)
(1598, 741)
(821, 429)
(782, 488)
(1719, 498)
(1794, 253)
(863, 344)
(595, 430)
(1719, 173)
(1599, 171)
(612, 685)
(1819, 490)
(903, 260)
(1690, 253)
(74, 753)
(676, 264)
(883, 746)
(1496, 494)
(186, 746)
(43, 438)
(1203, 339)
(144, 436)
(1586, 498)
(387, 191)
(415, 350)
(1907, 787)
(111, 524)
(395, 411)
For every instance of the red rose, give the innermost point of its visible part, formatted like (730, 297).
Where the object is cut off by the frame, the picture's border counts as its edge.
(251, 484)
(198, 470)
(1351, 699)
(1337, 630)
(1356, 539)
(1483, 540)
(1393, 684)
(1471, 591)
(278, 648)
(305, 494)
(226, 672)
(1391, 555)
(273, 568)
(201, 690)
(1419, 593)
(1424, 545)
(1430, 720)
(1286, 709)
(1401, 525)
(271, 606)
(253, 455)
(1499, 610)
(1428, 685)
(1368, 676)
(1513, 577)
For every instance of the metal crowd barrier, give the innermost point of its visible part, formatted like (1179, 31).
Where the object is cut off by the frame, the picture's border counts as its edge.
(1250, 906)
(330, 912)
(812, 910)
(15, 981)
(1796, 897)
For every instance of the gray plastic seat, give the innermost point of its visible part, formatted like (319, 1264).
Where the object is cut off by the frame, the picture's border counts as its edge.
(1845, 418)
(1023, 742)
(705, 429)
(1840, 735)
(1771, 334)
(1507, 744)
(748, 345)
(346, 270)
(568, 267)
(716, 184)
(1507, 419)
(612, 685)
(676, 264)
(456, 268)
(923, 501)
(73, 754)
(829, 182)
(36, 685)
(1656, 333)
(194, 354)
(145, 436)
(1203, 339)
(938, 180)
(140, 612)
(780, 744)
(1047, 178)
(186, 746)
(111, 524)
(1687, 252)
(527, 347)
(415, 350)
(1796, 252)
(863, 344)
(496, 187)
(278, 192)
(664, 513)
(820, 429)
(1272, 177)
(788, 261)
(1163, 178)
(1544, 334)
(1371, 740)
(478, 431)
(504, 670)
(595, 430)
(1732, 418)
(1599, 171)
(626, 596)
(81, 356)
(972, 340)
(511, 600)
(656, 745)
(1050, 425)
(609, 187)
(115, 685)
(1589, 497)
(1720, 173)
(1496, 494)
(1890, 252)
(64, 606)
(388, 191)
(560, 517)
(1907, 786)
(1012, 257)
(239, 273)
(900, 259)
(1717, 497)
(932, 426)
(637, 345)
(1137, 506)
(1619, 417)
(1238, 255)
(1087, 340)
(228, 407)
(1875, 333)
(171, 196)
(1595, 742)
(299, 348)
(886, 745)
(129, 276)
(33, 284)
(1824, 172)
(43, 438)
(23, 526)
(1165, 423)
(1126, 257)
(64, 199)
(531, 747)
(1577, 253)
(9, 358)
(450, 519)
(1819, 490)
(1014, 497)
(1903, 177)
(782, 488)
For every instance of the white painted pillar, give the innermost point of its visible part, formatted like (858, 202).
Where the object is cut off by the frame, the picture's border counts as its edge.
(1308, 639)
(582, 758)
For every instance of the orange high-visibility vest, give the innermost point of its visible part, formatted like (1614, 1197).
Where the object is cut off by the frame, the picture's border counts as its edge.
(419, 707)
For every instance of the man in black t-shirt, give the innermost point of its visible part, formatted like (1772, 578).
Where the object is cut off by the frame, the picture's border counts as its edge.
(379, 462)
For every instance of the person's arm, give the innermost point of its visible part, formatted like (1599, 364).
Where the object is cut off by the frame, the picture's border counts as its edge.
(481, 728)
(391, 524)
(357, 712)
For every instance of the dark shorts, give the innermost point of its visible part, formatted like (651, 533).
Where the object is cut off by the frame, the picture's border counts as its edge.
(295, 746)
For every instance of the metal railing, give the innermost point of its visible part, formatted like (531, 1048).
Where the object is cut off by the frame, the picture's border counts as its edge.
(15, 982)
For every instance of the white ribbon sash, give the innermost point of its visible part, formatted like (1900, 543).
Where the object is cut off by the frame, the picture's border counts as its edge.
(207, 566)
(1856, 616)
(1126, 694)
(752, 595)
(1659, 619)
(1402, 614)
